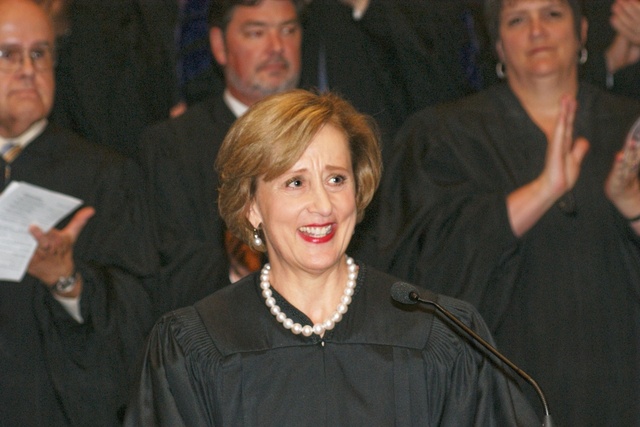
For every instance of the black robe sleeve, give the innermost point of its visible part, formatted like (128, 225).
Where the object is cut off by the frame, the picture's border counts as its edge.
(167, 395)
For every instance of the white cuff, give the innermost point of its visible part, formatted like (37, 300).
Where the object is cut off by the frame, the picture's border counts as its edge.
(72, 305)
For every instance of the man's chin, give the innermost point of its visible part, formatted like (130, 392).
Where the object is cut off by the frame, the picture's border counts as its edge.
(30, 111)
(273, 87)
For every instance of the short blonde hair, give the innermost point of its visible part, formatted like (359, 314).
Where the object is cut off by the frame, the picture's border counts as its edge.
(274, 133)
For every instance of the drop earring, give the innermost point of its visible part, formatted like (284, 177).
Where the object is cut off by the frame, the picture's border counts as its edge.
(500, 70)
(583, 56)
(257, 241)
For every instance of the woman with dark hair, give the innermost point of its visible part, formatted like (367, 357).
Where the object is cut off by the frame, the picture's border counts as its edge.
(314, 339)
(517, 200)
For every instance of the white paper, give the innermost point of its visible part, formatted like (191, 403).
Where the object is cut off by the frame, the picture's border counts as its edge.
(23, 205)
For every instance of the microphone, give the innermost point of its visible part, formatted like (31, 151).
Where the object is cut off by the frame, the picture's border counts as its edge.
(405, 293)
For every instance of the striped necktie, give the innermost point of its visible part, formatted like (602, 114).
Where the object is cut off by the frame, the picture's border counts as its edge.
(10, 151)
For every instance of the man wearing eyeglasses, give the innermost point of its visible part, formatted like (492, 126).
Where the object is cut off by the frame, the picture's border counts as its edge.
(70, 329)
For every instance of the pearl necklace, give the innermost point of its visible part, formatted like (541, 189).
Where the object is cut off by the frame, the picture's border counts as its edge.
(318, 328)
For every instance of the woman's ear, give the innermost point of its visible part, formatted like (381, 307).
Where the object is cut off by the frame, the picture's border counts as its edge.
(584, 29)
(254, 216)
(500, 51)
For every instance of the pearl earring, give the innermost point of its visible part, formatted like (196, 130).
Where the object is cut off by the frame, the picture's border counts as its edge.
(257, 241)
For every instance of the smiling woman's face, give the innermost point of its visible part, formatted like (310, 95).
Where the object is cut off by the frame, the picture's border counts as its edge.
(308, 213)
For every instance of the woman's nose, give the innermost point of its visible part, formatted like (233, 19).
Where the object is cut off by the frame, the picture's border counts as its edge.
(321, 200)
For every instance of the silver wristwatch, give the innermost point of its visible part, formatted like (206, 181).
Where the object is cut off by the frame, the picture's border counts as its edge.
(66, 284)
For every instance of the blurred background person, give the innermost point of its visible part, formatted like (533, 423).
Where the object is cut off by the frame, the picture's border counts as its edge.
(72, 327)
(116, 68)
(258, 46)
(516, 200)
(386, 58)
(614, 45)
(314, 337)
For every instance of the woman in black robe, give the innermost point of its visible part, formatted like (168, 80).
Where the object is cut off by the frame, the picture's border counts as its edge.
(314, 338)
(516, 200)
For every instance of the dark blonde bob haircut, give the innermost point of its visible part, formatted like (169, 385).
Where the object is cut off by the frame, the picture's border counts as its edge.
(270, 138)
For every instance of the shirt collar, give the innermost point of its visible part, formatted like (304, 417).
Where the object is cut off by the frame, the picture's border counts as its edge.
(236, 107)
(27, 136)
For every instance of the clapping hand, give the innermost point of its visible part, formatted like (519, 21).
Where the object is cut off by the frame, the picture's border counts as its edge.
(564, 154)
(625, 19)
(563, 160)
(53, 257)
(623, 184)
(625, 48)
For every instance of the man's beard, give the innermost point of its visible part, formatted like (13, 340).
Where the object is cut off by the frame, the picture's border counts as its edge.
(258, 89)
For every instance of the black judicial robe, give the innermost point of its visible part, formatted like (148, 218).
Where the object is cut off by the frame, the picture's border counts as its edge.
(54, 371)
(177, 158)
(399, 58)
(116, 70)
(563, 300)
(227, 362)
(361, 60)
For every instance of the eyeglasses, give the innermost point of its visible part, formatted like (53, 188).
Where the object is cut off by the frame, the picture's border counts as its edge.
(12, 57)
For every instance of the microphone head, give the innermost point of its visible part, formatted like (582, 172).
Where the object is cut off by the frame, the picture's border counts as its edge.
(401, 292)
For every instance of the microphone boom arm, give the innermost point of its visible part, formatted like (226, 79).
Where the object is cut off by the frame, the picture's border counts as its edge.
(414, 296)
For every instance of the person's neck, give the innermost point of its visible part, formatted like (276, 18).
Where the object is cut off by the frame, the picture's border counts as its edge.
(316, 295)
(541, 98)
(26, 133)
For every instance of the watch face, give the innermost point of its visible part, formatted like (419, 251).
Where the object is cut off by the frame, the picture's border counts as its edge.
(65, 284)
